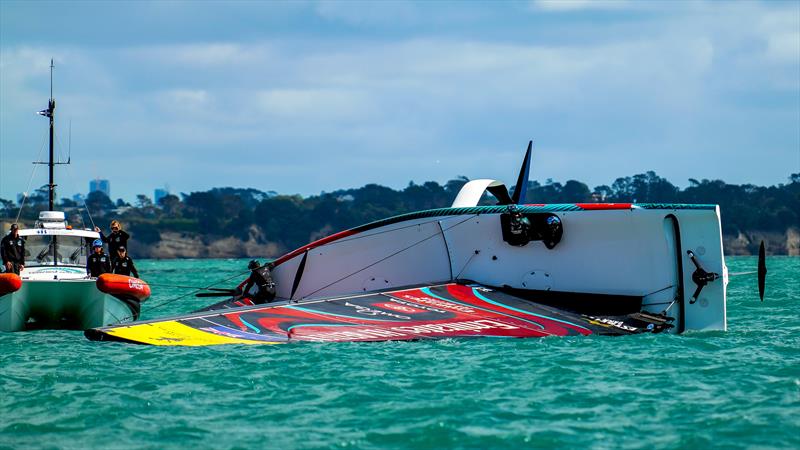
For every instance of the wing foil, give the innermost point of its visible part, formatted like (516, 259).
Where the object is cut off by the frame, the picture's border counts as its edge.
(425, 312)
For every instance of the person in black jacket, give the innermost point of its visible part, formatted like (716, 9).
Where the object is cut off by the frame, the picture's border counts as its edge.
(123, 264)
(259, 287)
(12, 250)
(98, 262)
(118, 238)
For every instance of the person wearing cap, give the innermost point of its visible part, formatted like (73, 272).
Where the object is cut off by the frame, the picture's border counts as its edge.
(259, 287)
(98, 262)
(12, 249)
(118, 238)
(123, 264)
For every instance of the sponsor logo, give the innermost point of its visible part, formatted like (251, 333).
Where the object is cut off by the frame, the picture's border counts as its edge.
(418, 306)
(135, 283)
(612, 323)
(473, 325)
(399, 308)
(409, 332)
(367, 311)
(438, 303)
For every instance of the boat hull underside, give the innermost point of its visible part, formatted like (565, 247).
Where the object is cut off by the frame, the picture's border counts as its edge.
(424, 312)
(60, 304)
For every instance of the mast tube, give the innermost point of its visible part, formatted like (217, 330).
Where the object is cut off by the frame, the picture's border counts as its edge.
(51, 107)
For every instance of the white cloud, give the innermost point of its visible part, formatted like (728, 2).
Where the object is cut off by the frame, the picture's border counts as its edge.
(191, 98)
(784, 47)
(331, 104)
(202, 55)
(682, 81)
(360, 12)
(578, 5)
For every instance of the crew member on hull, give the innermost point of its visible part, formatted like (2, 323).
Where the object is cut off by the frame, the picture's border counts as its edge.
(98, 262)
(123, 264)
(259, 287)
(12, 248)
(118, 238)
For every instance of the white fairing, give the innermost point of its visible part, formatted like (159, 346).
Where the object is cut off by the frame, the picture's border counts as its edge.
(471, 193)
(371, 261)
(630, 251)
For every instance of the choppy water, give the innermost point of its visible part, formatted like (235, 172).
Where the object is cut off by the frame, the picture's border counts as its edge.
(735, 389)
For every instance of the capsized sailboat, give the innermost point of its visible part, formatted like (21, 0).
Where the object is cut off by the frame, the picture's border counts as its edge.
(53, 290)
(509, 270)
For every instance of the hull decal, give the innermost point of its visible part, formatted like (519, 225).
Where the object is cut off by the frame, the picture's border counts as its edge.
(423, 312)
(477, 293)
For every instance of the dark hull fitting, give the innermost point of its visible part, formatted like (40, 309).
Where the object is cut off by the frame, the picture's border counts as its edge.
(427, 312)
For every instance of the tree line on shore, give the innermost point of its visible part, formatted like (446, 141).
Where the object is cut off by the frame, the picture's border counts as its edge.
(289, 221)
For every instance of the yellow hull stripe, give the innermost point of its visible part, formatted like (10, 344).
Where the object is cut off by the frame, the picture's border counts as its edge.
(175, 333)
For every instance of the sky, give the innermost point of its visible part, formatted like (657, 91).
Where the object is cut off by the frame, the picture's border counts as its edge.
(310, 96)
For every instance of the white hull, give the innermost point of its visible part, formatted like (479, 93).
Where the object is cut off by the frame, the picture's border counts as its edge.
(634, 252)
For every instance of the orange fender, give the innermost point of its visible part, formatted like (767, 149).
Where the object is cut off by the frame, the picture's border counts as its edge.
(124, 286)
(9, 282)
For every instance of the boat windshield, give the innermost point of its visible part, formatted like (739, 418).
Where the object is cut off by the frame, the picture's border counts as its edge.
(68, 250)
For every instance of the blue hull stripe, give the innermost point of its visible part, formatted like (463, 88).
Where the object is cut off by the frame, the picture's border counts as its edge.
(480, 296)
(427, 291)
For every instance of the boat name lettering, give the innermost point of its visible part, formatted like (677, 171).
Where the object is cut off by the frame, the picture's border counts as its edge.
(135, 283)
(474, 325)
(418, 306)
(60, 269)
(440, 303)
(407, 331)
(360, 309)
(366, 333)
(394, 306)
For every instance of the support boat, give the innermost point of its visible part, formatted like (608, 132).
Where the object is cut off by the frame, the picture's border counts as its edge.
(54, 290)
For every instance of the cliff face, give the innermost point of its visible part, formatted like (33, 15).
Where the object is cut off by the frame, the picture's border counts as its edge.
(187, 245)
(747, 243)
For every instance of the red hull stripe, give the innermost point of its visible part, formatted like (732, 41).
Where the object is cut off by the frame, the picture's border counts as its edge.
(320, 242)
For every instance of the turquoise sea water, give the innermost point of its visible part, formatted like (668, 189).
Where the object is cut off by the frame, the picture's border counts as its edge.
(738, 389)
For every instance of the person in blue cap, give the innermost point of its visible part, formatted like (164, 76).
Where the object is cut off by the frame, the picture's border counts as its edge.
(98, 262)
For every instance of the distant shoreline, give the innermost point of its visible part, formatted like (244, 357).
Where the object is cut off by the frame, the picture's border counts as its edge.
(229, 222)
(188, 246)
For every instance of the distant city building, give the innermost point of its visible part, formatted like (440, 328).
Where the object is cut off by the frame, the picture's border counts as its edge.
(103, 186)
(159, 193)
(78, 198)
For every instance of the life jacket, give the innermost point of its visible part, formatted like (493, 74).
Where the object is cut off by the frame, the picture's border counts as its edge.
(262, 279)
